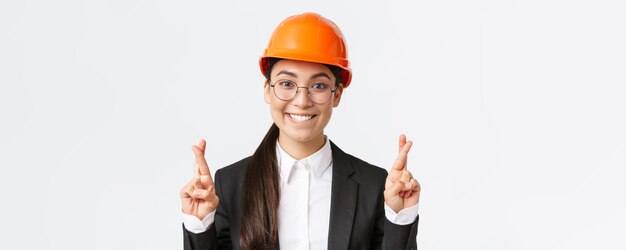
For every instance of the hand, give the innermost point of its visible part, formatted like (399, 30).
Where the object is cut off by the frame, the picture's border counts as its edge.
(198, 196)
(401, 190)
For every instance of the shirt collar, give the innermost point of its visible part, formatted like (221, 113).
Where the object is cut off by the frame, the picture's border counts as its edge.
(318, 162)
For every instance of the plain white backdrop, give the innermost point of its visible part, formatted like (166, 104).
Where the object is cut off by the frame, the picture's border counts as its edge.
(517, 110)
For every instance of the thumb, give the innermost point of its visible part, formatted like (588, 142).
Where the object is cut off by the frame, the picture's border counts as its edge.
(394, 189)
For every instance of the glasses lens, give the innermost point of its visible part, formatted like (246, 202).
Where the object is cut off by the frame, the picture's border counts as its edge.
(285, 90)
(320, 93)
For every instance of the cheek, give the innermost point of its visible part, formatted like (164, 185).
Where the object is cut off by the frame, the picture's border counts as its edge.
(277, 107)
(326, 112)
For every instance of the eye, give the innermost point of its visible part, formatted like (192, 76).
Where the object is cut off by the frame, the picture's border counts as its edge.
(286, 84)
(319, 86)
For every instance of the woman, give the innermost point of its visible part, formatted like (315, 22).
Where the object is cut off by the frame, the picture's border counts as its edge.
(299, 190)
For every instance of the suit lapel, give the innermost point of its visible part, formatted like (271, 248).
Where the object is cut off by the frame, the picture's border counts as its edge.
(343, 200)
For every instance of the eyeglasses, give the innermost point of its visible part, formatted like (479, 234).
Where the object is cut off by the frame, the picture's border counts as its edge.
(319, 93)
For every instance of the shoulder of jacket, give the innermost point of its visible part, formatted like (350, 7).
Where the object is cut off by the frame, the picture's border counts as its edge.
(237, 168)
(370, 169)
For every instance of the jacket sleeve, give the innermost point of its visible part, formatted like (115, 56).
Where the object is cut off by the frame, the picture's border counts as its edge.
(218, 234)
(400, 236)
(390, 236)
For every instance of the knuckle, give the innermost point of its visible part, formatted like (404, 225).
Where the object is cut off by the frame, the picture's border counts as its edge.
(206, 195)
(205, 179)
(197, 192)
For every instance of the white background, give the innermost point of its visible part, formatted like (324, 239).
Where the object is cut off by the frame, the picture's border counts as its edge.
(517, 110)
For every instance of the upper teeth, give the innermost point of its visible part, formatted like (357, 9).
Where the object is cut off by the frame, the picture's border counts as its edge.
(301, 117)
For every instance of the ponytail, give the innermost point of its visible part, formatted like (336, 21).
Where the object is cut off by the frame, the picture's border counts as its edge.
(260, 196)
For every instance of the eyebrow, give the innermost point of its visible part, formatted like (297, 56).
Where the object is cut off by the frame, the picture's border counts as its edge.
(321, 74)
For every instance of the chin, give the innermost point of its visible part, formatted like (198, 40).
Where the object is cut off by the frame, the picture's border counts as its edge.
(298, 133)
(300, 137)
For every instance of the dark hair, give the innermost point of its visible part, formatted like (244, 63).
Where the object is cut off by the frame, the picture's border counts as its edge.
(260, 195)
(260, 192)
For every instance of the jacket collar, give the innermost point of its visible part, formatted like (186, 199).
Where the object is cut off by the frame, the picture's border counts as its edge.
(344, 192)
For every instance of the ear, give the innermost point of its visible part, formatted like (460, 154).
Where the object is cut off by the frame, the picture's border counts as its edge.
(266, 92)
(337, 95)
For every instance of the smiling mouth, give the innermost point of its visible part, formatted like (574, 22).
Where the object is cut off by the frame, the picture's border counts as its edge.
(301, 117)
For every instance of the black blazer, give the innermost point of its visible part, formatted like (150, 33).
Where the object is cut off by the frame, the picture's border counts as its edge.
(357, 216)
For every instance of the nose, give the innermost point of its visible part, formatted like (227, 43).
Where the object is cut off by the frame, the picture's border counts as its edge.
(302, 98)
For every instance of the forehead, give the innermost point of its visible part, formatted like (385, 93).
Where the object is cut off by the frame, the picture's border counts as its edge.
(300, 68)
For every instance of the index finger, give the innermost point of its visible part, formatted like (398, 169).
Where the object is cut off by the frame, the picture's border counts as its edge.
(202, 146)
(203, 166)
(401, 142)
(400, 162)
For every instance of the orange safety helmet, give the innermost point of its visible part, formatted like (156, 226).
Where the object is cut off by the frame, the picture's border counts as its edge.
(312, 38)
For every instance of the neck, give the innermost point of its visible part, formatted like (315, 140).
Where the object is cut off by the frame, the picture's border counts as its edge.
(299, 150)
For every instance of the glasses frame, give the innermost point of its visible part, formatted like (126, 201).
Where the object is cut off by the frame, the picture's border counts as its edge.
(308, 91)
